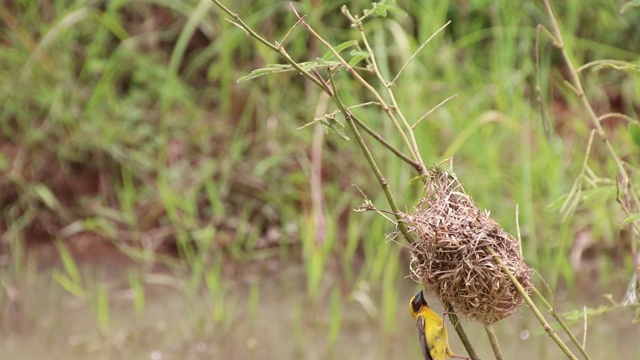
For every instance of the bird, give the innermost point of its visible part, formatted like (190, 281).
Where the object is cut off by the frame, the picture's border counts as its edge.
(432, 333)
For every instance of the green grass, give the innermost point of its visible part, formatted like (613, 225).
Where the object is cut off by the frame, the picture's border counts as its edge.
(125, 120)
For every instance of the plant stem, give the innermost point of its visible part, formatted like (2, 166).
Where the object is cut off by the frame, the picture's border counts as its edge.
(411, 142)
(460, 331)
(577, 84)
(563, 325)
(237, 20)
(493, 339)
(533, 306)
(354, 123)
(628, 188)
(402, 226)
(416, 165)
(388, 110)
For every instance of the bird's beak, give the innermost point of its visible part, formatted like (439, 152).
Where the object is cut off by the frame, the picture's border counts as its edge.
(418, 301)
(420, 298)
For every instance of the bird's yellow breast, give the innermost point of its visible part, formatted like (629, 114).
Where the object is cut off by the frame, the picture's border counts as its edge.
(435, 334)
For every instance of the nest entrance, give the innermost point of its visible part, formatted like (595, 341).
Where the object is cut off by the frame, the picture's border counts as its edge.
(451, 255)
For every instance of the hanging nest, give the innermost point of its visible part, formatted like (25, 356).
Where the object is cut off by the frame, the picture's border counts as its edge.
(452, 257)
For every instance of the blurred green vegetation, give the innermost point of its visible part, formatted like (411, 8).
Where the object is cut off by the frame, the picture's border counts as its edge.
(122, 122)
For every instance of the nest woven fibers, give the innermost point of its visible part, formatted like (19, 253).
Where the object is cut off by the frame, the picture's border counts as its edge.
(454, 252)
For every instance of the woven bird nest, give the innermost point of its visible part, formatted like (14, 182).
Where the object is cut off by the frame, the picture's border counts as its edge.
(452, 255)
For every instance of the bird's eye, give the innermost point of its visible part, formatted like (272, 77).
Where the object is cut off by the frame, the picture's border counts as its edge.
(415, 305)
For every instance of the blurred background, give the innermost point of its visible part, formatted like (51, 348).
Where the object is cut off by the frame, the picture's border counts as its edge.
(152, 207)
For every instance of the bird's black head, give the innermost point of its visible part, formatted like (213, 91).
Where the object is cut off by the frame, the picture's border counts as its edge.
(418, 302)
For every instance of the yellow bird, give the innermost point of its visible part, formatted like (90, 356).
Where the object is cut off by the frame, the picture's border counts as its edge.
(431, 331)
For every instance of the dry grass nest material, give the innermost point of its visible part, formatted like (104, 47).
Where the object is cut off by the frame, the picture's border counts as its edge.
(452, 255)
